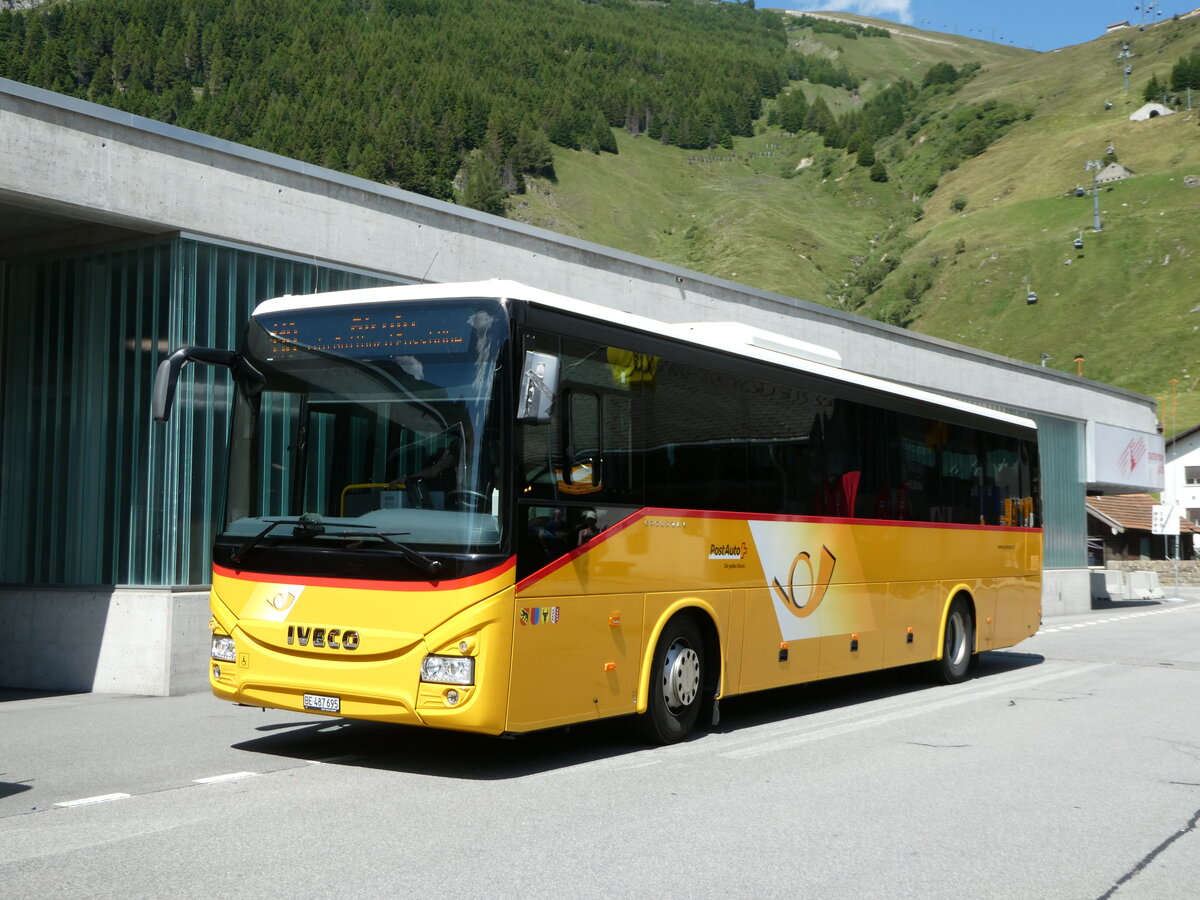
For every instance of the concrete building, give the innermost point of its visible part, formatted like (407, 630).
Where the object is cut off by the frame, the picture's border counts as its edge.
(1181, 483)
(1122, 527)
(1150, 111)
(121, 238)
(1113, 172)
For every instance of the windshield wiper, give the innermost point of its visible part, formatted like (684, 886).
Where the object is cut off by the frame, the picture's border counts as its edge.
(420, 560)
(240, 553)
(310, 525)
(307, 525)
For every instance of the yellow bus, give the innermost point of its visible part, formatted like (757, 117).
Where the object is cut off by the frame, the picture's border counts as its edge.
(490, 508)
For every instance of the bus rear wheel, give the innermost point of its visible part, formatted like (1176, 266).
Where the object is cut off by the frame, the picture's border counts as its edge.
(958, 645)
(676, 676)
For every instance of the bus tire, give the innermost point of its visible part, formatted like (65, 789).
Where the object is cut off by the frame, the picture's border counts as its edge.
(958, 658)
(676, 680)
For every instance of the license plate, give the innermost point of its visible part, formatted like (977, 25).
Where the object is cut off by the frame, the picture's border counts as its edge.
(322, 703)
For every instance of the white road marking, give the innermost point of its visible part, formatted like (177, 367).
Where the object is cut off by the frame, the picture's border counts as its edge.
(102, 798)
(1055, 629)
(232, 776)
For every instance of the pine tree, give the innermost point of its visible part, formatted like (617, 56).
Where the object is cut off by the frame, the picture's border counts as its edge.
(793, 109)
(1186, 73)
(1154, 90)
(819, 118)
(600, 137)
(482, 188)
(532, 152)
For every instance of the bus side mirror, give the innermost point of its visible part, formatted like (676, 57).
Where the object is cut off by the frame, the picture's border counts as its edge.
(167, 376)
(539, 386)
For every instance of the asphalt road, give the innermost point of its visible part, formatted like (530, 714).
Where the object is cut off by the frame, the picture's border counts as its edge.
(1070, 768)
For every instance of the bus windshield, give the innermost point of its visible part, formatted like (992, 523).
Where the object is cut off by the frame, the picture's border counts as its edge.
(374, 433)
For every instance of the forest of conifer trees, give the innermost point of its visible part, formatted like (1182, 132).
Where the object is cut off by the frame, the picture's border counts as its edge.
(461, 99)
(450, 98)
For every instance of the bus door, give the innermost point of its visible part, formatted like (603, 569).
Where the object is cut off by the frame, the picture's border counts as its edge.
(577, 634)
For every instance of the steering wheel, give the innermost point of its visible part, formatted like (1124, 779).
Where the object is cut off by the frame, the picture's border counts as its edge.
(471, 501)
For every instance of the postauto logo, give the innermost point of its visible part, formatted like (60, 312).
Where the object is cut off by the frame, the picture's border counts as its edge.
(728, 551)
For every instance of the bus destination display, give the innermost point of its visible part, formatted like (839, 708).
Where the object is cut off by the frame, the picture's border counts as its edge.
(370, 332)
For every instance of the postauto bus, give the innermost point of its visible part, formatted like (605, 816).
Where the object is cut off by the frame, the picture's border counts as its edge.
(489, 508)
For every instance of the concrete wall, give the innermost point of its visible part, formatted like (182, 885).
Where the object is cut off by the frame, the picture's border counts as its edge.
(113, 641)
(1066, 591)
(1187, 570)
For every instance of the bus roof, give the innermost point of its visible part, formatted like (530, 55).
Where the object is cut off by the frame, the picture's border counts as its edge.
(730, 337)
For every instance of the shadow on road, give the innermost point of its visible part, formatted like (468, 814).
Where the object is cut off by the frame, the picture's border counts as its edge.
(446, 754)
(1099, 603)
(8, 695)
(8, 788)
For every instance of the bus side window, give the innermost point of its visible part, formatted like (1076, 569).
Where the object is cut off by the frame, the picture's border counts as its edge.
(616, 422)
(550, 532)
(586, 448)
(536, 439)
(581, 458)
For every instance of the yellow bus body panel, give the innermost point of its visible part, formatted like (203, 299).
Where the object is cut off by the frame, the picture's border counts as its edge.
(844, 597)
(791, 600)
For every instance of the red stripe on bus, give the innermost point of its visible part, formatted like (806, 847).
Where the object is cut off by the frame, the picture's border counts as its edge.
(591, 544)
(364, 585)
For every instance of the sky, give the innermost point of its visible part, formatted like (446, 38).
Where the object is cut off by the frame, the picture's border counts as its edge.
(1033, 24)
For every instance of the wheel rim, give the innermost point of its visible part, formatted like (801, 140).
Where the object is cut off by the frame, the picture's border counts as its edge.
(956, 639)
(681, 676)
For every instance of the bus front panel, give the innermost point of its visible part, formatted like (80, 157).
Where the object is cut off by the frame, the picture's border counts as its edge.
(359, 650)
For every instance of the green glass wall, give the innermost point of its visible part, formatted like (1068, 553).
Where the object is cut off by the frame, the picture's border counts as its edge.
(92, 492)
(1064, 517)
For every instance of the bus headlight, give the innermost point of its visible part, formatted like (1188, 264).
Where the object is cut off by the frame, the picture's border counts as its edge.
(448, 669)
(223, 648)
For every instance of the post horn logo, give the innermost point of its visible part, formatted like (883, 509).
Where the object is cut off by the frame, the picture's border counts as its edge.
(281, 601)
(818, 582)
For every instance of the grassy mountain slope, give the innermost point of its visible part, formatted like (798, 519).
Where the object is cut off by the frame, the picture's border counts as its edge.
(908, 54)
(779, 212)
(736, 218)
(1125, 301)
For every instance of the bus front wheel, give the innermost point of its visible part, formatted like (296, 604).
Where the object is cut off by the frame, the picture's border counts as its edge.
(958, 645)
(676, 676)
